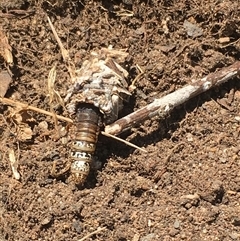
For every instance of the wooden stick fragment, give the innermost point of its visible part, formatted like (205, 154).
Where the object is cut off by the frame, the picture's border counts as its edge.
(167, 103)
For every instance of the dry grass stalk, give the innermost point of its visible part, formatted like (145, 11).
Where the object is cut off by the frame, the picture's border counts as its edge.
(125, 142)
(32, 108)
(64, 52)
(54, 95)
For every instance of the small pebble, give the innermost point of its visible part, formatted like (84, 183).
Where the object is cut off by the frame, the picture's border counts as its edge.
(237, 118)
(149, 237)
(176, 224)
(46, 220)
(236, 221)
(234, 236)
(173, 232)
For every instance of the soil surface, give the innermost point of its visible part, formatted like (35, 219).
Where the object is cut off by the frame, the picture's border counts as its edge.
(187, 187)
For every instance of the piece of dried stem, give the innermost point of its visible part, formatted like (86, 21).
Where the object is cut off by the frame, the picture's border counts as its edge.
(121, 140)
(64, 52)
(23, 106)
(161, 107)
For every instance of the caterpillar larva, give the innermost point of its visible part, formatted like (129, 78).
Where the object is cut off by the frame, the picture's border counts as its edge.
(87, 126)
(94, 97)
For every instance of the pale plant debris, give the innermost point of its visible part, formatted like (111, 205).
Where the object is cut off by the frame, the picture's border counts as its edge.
(190, 196)
(54, 96)
(119, 55)
(24, 132)
(64, 52)
(224, 40)
(11, 4)
(136, 237)
(124, 13)
(166, 48)
(21, 119)
(165, 25)
(14, 164)
(132, 87)
(5, 48)
(192, 29)
(21, 116)
(5, 80)
(43, 126)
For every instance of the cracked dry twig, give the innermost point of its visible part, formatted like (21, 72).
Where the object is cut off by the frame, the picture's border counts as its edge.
(164, 105)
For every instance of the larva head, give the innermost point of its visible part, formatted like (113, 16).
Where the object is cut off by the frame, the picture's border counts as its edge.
(79, 171)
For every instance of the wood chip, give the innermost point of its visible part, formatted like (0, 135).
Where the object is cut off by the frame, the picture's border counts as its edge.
(5, 48)
(224, 40)
(5, 80)
(14, 164)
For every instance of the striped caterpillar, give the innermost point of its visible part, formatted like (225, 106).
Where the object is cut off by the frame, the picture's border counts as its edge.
(87, 127)
(95, 97)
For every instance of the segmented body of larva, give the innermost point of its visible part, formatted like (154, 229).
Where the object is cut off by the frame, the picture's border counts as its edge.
(94, 99)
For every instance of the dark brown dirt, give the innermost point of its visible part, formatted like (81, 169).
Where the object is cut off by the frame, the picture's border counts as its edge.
(187, 186)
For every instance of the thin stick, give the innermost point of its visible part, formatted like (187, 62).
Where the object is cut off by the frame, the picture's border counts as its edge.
(167, 103)
(121, 140)
(29, 107)
(92, 233)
